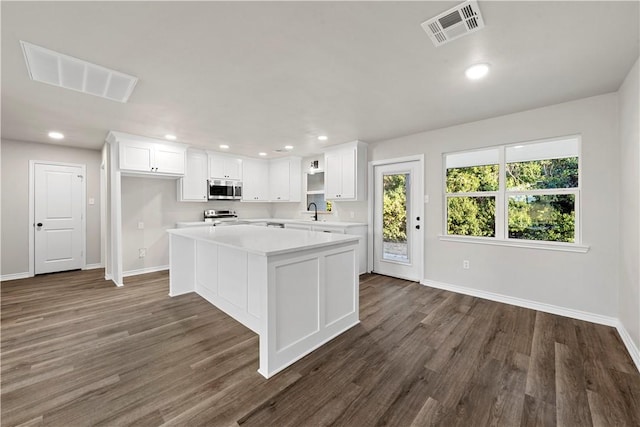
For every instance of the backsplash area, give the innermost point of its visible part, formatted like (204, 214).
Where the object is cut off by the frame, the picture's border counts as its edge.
(152, 203)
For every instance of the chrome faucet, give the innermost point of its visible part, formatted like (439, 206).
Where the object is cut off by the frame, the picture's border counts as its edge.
(315, 215)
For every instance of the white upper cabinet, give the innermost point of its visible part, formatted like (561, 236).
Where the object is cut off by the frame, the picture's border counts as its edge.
(225, 167)
(279, 179)
(193, 186)
(169, 159)
(345, 172)
(137, 156)
(285, 180)
(142, 154)
(255, 184)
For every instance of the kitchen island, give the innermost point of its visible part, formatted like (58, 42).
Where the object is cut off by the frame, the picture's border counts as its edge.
(296, 289)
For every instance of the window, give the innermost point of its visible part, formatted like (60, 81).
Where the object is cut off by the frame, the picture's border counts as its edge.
(521, 192)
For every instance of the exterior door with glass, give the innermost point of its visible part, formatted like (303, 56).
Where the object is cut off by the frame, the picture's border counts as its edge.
(398, 220)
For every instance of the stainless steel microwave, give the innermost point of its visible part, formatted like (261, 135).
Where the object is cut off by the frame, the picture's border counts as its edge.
(220, 189)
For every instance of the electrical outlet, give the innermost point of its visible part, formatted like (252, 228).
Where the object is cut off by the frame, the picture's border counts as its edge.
(465, 264)
(140, 225)
(142, 252)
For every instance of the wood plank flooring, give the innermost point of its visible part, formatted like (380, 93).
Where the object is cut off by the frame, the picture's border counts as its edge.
(78, 351)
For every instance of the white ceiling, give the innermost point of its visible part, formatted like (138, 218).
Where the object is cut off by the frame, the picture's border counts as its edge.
(261, 75)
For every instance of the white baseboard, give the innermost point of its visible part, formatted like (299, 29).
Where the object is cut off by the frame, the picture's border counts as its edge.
(92, 266)
(14, 276)
(634, 351)
(144, 270)
(520, 302)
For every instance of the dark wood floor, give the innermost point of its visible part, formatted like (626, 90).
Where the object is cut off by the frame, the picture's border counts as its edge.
(78, 351)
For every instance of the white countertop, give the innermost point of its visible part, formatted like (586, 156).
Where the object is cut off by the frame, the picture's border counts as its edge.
(263, 240)
(283, 221)
(308, 222)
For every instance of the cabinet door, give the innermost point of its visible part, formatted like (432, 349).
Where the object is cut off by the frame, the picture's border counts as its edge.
(194, 183)
(136, 156)
(255, 185)
(224, 167)
(217, 167)
(348, 185)
(233, 168)
(333, 175)
(169, 159)
(279, 175)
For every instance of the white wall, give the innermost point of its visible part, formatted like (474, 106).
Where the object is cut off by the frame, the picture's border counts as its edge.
(586, 282)
(629, 299)
(15, 198)
(153, 201)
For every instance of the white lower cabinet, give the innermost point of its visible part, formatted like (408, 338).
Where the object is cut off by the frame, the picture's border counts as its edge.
(298, 227)
(193, 186)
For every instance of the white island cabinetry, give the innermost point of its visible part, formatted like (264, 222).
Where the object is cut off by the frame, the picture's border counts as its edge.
(296, 289)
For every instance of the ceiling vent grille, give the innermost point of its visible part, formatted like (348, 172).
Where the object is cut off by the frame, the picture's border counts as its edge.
(454, 23)
(48, 66)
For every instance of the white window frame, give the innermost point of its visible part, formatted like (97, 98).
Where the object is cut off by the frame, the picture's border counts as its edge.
(502, 199)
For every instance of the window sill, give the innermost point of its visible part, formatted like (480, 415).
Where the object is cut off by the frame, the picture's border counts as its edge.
(549, 246)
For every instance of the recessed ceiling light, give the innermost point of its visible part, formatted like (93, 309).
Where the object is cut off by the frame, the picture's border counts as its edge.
(323, 137)
(288, 147)
(170, 137)
(56, 135)
(224, 146)
(477, 71)
(262, 153)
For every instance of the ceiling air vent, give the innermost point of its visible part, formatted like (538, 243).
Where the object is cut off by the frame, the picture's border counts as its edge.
(48, 66)
(454, 23)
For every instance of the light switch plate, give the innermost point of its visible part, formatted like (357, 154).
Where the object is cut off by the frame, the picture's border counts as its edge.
(426, 198)
(140, 225)
(92, 201)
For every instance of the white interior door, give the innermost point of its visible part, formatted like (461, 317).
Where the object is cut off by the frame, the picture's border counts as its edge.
(398, 220)
(58, 203)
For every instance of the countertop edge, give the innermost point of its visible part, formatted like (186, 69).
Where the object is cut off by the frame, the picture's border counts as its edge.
(182, 232)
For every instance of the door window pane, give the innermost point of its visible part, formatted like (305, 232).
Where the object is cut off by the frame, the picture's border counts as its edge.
(471, 216)
(394, 217)
(542, 217)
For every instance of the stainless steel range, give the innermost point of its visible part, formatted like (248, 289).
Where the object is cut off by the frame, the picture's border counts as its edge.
(222, 217)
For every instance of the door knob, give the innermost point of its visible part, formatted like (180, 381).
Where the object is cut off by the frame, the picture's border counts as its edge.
(417, 218)
(39, 224)
(417, 227)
